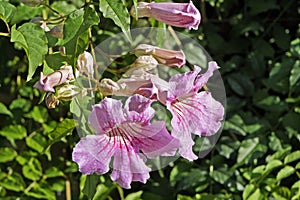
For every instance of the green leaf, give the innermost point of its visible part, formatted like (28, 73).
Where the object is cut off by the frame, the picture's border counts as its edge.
(282, 39)
(281, 153)
(7, 154)
(292, 157)
(76, 31)
(247, 148)
(33, 40)
(134, 196)
(32, 170)
(117, 11)
(62, 129)
(7, 11)
(26, 13)
(40, 191)
(36, 142)
(248, 191)
(53, 172)
(38, 114)
(4, 110)
(90, 185)
(14, 132)
(295, 74)
(285, 172)
(13, 182)
(272, 164)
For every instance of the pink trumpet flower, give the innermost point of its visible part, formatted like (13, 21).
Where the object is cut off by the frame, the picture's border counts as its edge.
(175, 14)
(123, 133)
(48, 82)
(193, 112)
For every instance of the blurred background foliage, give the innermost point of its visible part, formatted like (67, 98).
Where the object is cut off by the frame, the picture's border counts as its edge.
(257, 45)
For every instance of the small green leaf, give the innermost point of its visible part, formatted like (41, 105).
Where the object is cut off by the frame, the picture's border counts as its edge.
(295, 74)
(32, 170)
(36, 142)
(292, 157)
(40, 191)
(273, 164)
(53, 172)
(7, 154)
(90, 185)
(247, 147)
(285, 172)
(14, 132)
(117, 11)
(38, 114)
(13, 182)
(281, 153)
(7, 11)
(62, 129)
(134, 196)
(4, 110)
(33, 40)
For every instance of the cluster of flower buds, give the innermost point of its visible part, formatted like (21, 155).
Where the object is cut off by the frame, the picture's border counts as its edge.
(58, 83)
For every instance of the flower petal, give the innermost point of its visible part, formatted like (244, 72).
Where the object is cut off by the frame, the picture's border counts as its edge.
(182, 84)
(129, 166)
(139, 109)
(210, 114)
(93, 154)
(159, 141)
(202, 79)
(107, 114)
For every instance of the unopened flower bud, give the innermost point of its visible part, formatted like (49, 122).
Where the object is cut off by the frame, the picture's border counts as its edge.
(51, 101)
(108, 87)
(163, 56)
(67, 92)
(145, 63)
(175, 14)
(57, 31)
(39, 21)
(48, 82)
(85, 64)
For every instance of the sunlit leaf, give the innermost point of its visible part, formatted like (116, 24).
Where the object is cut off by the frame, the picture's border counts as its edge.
(33, 40)
(4, 110)
(117, 11)
(7, 154)
(285, 172)
(7, 11)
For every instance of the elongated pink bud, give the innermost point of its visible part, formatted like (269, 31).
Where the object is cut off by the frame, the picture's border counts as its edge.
(175, 14)
(48, 82)
(163, 56)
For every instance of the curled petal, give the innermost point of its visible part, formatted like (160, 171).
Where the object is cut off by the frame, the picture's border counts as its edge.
(202, 79)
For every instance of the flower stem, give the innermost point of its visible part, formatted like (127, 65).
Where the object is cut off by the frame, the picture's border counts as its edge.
(5, 34)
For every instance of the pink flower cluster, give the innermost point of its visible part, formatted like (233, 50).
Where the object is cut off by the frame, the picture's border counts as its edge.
(126, 133)
(125, 136)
